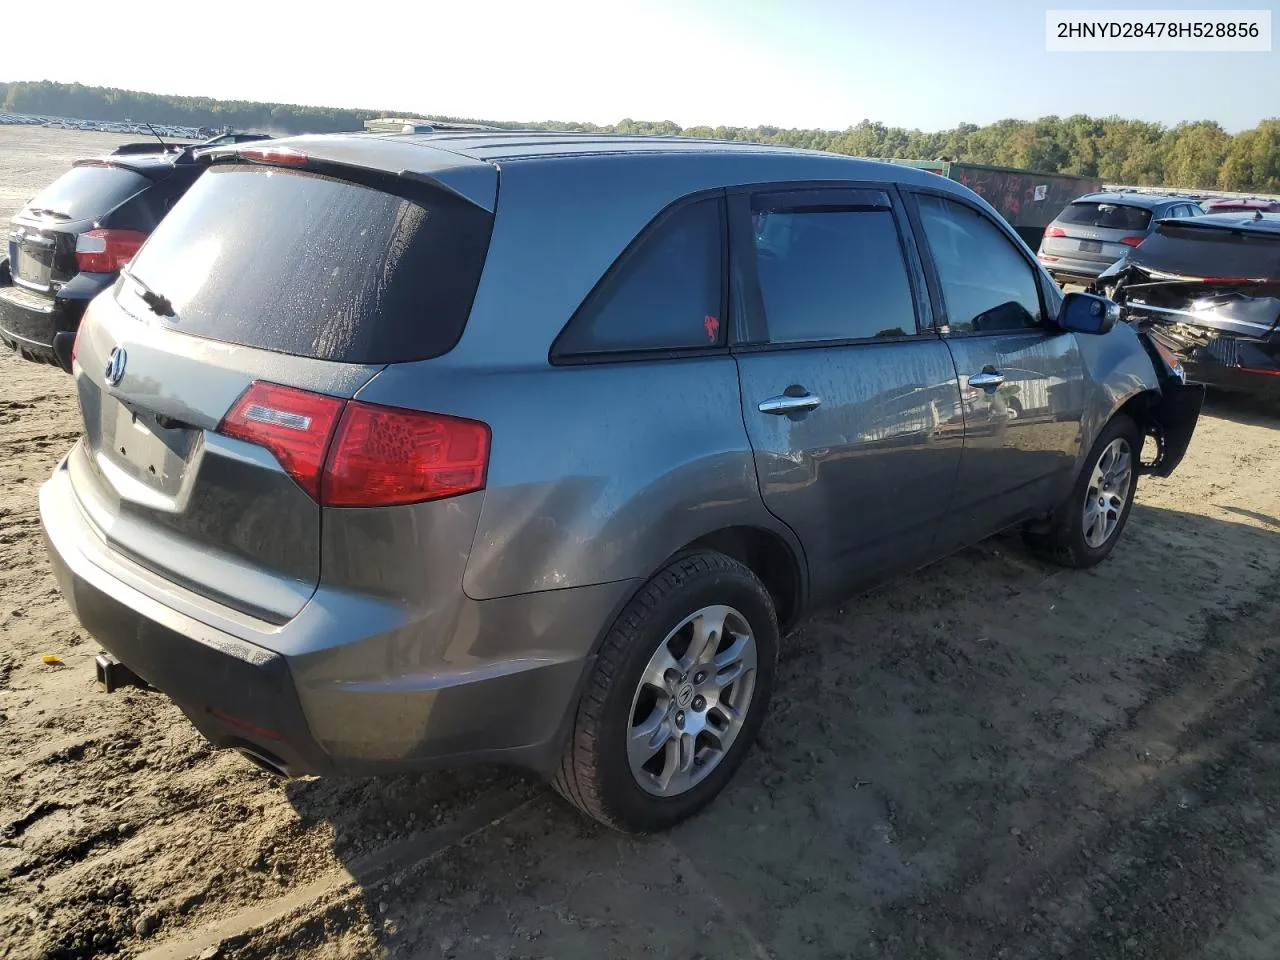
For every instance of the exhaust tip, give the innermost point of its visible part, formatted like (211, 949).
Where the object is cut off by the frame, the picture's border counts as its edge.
(262, 759)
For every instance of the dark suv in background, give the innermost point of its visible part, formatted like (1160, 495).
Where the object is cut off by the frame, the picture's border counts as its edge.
(1209, 289)
(68, 244)
(1098, 229)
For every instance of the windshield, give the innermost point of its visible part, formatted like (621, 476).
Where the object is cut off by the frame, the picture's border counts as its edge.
(1107, 216)
(314, 266)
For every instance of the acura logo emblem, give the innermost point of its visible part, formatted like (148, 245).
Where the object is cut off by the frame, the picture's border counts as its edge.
(115, 365)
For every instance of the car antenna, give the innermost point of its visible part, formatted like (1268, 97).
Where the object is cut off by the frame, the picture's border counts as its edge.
(157, 136)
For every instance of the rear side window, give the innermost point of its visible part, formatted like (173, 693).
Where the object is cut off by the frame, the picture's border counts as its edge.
(986, 284)
(664, 293)
(832, 274)
(1106, 216)
(1198, 251)
(309, 265)
(85, 193)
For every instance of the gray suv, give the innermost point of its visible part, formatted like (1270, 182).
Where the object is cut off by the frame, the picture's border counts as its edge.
(1098, 229)
(410, 450)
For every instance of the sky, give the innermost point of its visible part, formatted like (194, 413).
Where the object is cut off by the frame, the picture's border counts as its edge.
(927, 64)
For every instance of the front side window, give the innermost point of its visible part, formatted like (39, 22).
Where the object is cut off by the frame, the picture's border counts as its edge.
(832, 273)
(986, 284)
(664, 294)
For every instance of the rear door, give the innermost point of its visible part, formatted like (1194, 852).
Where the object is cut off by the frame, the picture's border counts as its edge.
(1022, 382)
(849, 397)
(260, 273)
(1097, 231)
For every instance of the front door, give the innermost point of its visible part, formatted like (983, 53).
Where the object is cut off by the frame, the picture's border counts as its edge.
(1022, 383)
(851, 403)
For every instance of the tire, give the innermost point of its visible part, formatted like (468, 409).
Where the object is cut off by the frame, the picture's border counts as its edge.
(1071, 540)
(596, 770)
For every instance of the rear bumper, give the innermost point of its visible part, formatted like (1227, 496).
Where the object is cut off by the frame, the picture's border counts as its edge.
(1231, 363)
(1066, 268)
(237, 694)
(1260, 381)
(29, 321)
(339, 709)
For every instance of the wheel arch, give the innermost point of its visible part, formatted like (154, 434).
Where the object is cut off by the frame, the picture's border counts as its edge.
(771, 557)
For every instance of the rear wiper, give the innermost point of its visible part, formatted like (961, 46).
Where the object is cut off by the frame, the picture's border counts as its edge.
(158, 303)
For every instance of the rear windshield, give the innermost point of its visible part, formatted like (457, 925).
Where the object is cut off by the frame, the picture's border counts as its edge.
(1107, 216)
(305, 264)
(1195, 251)
(86, 193)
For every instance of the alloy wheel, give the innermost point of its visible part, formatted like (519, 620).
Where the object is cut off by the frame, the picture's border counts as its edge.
(1107, 493)
(692, 701)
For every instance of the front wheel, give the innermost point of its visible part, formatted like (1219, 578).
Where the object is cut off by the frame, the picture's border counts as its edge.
(1087, 525)
(677, 695)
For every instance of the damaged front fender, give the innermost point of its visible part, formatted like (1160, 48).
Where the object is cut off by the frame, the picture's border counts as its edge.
(1135, 372)
(1171, 422)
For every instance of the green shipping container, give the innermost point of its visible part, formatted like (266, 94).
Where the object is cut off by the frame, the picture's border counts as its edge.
(1026, 199)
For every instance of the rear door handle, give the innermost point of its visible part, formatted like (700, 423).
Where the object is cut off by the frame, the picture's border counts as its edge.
(986, 379)
(785, 404)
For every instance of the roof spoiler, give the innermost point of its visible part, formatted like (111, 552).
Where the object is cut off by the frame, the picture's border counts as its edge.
(474, 181)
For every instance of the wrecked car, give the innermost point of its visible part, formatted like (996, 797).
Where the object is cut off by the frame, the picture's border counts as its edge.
(1208, 289)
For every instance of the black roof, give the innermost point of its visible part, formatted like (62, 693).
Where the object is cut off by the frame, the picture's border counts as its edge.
(1266, 223)
(1147, 201)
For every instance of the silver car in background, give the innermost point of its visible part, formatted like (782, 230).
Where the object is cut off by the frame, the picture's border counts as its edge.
(1098, 229)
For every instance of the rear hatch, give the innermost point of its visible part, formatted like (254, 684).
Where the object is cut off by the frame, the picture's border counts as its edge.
(1095, 231)
(1209, 273)
(42, 237)
(312, 277)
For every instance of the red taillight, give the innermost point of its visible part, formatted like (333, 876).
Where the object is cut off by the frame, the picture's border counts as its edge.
(1046, 258)
(75, 344)
(346, 453)
(384, 456)
(285, 155)
(295, 425)
(1054, 232)
(106, 251)
(1131, 241)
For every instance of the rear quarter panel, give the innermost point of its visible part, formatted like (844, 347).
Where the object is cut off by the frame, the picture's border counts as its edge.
(600, 472)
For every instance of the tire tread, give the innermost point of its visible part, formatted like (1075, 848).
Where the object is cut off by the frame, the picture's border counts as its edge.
(578, 778)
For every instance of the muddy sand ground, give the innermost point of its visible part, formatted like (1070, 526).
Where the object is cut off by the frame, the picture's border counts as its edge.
(992, 758)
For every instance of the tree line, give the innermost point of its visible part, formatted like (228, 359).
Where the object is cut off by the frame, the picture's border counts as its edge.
(1197, 154)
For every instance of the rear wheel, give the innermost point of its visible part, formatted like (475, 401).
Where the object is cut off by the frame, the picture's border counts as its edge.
(1087, 525)
(678, 692)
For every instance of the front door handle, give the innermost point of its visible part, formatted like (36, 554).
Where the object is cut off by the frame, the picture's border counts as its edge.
(986, 379)
(786, 404)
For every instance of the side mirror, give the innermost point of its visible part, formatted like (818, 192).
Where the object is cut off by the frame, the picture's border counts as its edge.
(1087, 313)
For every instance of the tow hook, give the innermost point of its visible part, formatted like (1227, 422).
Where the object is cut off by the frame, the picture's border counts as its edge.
(112, 674)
